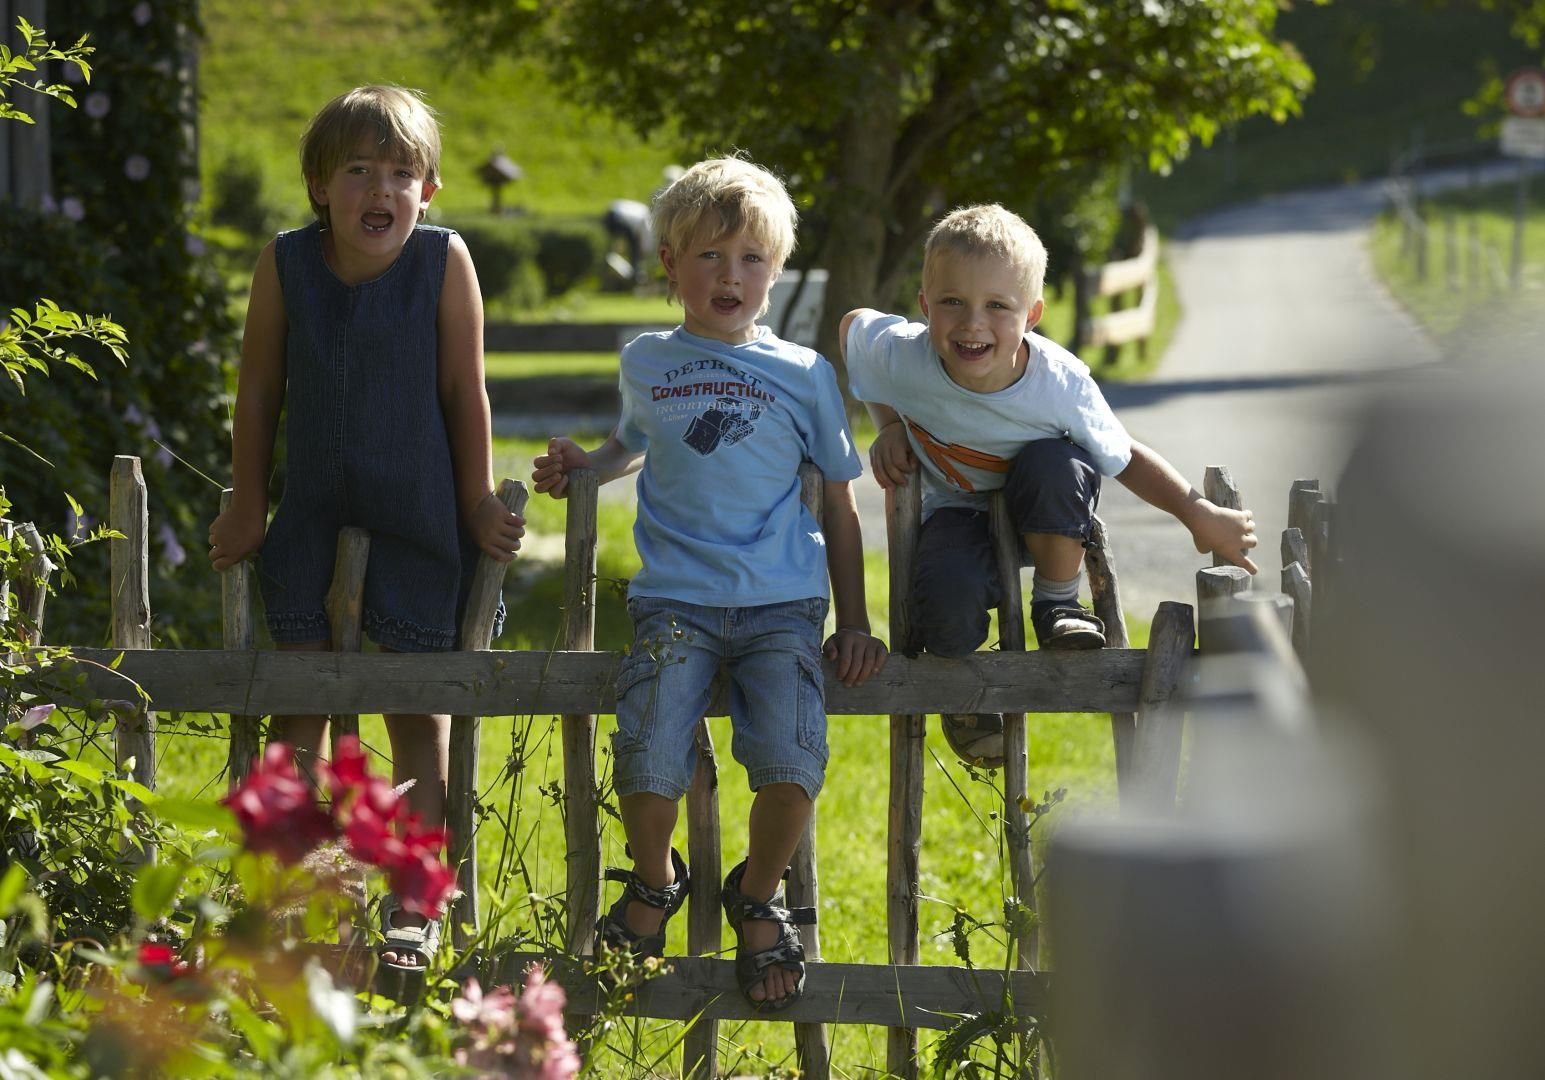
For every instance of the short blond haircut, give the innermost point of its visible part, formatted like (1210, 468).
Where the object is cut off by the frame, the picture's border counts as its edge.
(990, 231)
(401, 124)
(722, 197)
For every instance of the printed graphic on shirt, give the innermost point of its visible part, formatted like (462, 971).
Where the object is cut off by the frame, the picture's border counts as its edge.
(726, 401)
(945, 456)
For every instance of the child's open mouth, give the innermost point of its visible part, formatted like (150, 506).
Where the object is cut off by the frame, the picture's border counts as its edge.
(377, 221)
(726, 305)
(971, 350)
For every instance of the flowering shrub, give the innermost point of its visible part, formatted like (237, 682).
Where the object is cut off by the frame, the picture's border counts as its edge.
(516, 1036)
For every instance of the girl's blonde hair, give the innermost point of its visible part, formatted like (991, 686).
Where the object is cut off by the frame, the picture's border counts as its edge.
(991, 231)
(397, 120)
(724, 196)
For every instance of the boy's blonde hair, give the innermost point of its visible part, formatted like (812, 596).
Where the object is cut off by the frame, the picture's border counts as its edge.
(396, 119)
(724, 196)
(993, 232)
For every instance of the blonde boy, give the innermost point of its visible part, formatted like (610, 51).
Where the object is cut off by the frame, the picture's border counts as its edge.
(721, 412)
(985, 404)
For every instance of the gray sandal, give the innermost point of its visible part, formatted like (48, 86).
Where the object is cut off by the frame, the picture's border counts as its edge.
(422, 940)
(789, 951)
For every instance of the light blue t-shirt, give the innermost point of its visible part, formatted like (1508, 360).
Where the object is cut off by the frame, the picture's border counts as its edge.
(725, 428)
(967, 441)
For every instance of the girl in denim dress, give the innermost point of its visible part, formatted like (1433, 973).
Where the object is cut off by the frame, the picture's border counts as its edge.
(368, 326)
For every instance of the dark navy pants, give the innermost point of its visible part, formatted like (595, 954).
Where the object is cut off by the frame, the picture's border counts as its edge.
(1053, 487)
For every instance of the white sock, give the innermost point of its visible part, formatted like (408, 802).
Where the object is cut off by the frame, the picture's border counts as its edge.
(1044, 589)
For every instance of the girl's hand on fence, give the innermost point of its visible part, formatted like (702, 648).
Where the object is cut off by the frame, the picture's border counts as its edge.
(890, 455)
(496, 529)
(550, 471)
(858, 654)
(1228, 534)
(236, 534)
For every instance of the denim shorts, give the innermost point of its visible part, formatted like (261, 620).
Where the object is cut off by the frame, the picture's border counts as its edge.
(771, 654)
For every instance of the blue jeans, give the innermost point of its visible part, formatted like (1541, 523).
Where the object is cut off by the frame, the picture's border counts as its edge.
(1053, 487)
(772, 655)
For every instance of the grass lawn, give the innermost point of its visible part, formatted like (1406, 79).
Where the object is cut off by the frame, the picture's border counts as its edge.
(1460, 288)
(521, 765)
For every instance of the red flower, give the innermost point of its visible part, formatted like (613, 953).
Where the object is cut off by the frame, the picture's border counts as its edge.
(277, 807)
(160, 959)
(415, 872)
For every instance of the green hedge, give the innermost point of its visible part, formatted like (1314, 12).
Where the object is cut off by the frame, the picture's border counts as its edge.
(522, 261)
(117, 239)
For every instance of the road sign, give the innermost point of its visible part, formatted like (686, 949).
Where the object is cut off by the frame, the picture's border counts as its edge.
(1524, 92)
(1523, 136)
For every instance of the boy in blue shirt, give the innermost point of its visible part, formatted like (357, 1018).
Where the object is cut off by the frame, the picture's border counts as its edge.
(982, 404)
(721, 413)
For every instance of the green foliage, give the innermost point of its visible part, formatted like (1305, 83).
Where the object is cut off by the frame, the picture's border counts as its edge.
(36, 50)
(523, 261)
(882, 118)
(116, 238)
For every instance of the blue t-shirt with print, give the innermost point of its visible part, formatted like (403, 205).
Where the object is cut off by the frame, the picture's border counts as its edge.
(724, 429)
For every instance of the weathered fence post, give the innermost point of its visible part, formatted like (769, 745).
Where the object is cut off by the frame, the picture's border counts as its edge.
(903, 511)
(1215, 584)
(1156, 765)
(1016, 781)
(130, 576)
(477, 631)
(32, 589)
(1105, 592)
(1219, 488)
(583, 889)
(346, 610)
(236, 633)
(700, 1044)
(810, 1041)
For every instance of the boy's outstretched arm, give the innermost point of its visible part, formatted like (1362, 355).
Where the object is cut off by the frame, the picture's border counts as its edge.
(1229, 534)
(550, 471)
(890, 455)
(858, 653)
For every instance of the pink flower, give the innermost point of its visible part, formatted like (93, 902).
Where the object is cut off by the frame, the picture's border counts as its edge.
(98, 104)
(277, 808)
(141, 13)
(35, 716)
(519, 1037)
(136, 167)
(415, 872)
(72, 208)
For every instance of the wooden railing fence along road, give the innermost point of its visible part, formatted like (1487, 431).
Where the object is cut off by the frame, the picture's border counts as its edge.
(1137, 687)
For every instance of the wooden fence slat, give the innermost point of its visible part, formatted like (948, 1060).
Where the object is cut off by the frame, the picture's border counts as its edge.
(1006, 546)
(129, 556)
(1295, 585)
(904, 828)
(236, 633)
(810, 1040)
(1105, 592)
(477, 631)
(538, 683)
(931, 996)
(1161, 731)
(1303, 495)
(1294, 548)
(705, 923)
(1214, 586)
(582, 896)
(1219, 488)
(345, 605)
(32, 589)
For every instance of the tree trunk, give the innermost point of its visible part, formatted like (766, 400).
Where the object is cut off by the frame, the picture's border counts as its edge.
(859, 213)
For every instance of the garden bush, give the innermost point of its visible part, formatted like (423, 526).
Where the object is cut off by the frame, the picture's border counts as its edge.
(522, 261)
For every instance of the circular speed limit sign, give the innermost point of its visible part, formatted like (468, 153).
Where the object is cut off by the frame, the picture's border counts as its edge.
(1525, 92)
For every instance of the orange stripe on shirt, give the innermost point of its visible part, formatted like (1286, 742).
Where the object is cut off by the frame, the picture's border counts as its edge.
(946, 456)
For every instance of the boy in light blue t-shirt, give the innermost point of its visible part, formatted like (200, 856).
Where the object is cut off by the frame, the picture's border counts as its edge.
(721, 413)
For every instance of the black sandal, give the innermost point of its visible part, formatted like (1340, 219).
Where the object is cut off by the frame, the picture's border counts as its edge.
(612, 928)
(788, 953)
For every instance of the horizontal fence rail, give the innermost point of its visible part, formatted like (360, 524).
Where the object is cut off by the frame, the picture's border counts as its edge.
(910, 996)
(252, 682)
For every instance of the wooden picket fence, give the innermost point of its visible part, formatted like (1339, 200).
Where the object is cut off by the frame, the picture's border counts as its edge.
(1138, 688)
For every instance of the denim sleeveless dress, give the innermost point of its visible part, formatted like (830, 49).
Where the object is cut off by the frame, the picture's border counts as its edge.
(366, 445)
